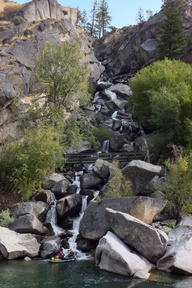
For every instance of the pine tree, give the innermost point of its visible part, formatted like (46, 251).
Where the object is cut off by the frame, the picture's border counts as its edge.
(171, 33)
(103, 18)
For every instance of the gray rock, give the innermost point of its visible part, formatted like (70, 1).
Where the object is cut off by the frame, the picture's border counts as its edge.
(68, 206)
(94, 224)
(149, 242)
(178, 257)
(121, 90)
(101, 168)
(28, 223)
(114, 256)
(50, 246)
(38, 209)
(90, 180)
(140, 173)
(41, 9)
(14, 245)
(60, 188)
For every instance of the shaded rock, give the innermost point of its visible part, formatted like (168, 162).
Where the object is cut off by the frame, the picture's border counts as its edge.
(91, 180)
(44, 196)
(68, 206)
(28, 223)
(84, 147)
(178, 257)
(52, 180)
(50, 246)
(38, 209)
(114, 256)
(8, 92)
(85, 245)
(94, 224)
(14, 245)
(121, 90)
(149, 242)
(140, 173)
(60, 188)
(101, 168)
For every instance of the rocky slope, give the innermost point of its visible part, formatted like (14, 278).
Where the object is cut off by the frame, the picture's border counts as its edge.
(18, 48)
(127, 50)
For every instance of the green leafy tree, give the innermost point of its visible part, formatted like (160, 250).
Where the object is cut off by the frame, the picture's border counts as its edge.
(5, 218)
(162, 99)
(171, 32)
(59, 73)
(179, 182)
(24, 165)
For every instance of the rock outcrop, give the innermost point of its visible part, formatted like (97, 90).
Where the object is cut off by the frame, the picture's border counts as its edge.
(14, 245)
(114, 256)
(95, 225)
(149, 242)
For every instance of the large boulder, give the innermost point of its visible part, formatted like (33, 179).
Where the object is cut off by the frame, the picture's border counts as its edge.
(91, 180)
(68, 206)
(38, 209)
(28, 223)
(140, 173)
(60, 188)
(114, 256)
(14, 245)
(94, 224)
(41, 9)
(178, 257)
(146, 240)
(50, 246)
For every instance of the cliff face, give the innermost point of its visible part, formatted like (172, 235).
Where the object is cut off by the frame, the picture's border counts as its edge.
(47, 21)
(127, 50)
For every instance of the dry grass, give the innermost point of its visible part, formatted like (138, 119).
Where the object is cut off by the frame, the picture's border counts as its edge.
(7, 8)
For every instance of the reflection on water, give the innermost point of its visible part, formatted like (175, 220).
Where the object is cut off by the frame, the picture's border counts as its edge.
(78, 274)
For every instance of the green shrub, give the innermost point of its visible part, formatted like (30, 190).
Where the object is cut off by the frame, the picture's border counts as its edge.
(119, 186)
(5, 218)
(23, 166)
(178, 189)
(18, 20)
(102, 133)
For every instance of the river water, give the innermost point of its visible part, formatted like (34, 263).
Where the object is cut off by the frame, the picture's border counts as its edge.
(78, 274)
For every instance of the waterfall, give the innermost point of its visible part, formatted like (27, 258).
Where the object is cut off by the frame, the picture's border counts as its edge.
(51, 216)
(75, 231)
(104, 147)
(145, 142)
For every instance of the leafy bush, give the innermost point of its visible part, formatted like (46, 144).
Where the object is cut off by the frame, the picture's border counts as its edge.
(162, 95)
(18, 20)
(5, 218)
(23, 166)
(119, 186)
(179, 182)
(102, 133)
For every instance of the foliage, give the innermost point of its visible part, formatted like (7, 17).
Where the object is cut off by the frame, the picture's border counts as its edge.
(162, 94)
(179, 182)
(18, 20)
(171, 32)
(140, 17)
(119, 186)
(59, 73)
(102, 133)
(5, 218)
(24, 165)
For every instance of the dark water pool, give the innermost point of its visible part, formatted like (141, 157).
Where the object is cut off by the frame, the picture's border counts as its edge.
(78, 274)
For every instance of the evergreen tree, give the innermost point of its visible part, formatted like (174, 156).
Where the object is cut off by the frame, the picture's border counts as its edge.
(171, 33)
(103, 18)
(93, 16)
